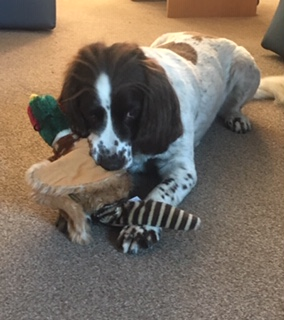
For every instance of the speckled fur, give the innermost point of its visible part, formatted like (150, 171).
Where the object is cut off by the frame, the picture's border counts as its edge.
(224, 77)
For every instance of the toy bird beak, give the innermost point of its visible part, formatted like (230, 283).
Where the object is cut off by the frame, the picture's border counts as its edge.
(33, 120)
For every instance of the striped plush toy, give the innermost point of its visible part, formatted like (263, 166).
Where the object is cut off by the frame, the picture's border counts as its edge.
(149, 213)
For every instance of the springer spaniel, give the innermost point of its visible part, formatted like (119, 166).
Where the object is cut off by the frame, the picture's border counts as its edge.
(140, 103)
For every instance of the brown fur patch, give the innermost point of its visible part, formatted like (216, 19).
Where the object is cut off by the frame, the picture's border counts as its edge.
(183, 49)
(199, 36)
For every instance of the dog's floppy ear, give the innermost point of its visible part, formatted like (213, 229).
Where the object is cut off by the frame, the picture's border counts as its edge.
(160, 122)
(70, 105)
(77, 90)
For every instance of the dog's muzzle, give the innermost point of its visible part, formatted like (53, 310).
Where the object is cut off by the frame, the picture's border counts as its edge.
(112, 162)
(114, 158)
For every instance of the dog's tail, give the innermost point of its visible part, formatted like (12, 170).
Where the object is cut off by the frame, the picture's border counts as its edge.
(271, 88)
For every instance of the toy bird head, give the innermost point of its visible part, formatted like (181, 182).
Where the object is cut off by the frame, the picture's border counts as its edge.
(47, 117)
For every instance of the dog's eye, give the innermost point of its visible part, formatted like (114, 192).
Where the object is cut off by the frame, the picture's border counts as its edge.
(129, 116)
(132, 115)
(96, 114)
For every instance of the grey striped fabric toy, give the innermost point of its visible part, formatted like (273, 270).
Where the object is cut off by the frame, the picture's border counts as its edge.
(149, 213)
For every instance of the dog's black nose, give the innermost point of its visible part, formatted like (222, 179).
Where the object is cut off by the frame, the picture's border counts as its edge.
(111, 163)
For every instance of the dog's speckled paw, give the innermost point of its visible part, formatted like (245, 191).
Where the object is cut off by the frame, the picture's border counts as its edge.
(133, 238)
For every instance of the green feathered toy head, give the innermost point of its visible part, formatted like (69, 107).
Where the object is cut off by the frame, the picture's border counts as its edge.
(47, 117)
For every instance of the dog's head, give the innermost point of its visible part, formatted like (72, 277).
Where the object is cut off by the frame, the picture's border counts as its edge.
(122, 101)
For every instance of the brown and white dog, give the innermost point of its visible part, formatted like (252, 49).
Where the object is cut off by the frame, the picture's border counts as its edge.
(140, 103)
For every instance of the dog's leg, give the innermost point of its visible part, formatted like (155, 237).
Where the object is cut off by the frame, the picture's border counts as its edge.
(179, 178)
(178, 172)
(243, 82)
(175, 186)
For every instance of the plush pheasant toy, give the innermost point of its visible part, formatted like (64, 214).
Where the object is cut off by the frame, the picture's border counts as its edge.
(71, 181)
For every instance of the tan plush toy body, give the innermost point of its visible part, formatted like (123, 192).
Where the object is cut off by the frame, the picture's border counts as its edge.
(71, 182)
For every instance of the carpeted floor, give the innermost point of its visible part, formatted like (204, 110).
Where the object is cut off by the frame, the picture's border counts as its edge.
(231, 269)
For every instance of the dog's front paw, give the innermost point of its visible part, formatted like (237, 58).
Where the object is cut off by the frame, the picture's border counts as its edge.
(132, 238)
(238, 123)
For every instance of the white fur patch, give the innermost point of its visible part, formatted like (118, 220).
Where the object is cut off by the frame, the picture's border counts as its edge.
(103, 88)
(271, 87)
(107, 143)
(60, 135)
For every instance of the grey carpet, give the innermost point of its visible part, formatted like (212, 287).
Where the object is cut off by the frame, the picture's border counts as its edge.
(232, 268)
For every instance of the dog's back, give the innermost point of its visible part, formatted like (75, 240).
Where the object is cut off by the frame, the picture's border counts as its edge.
(205, 71)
